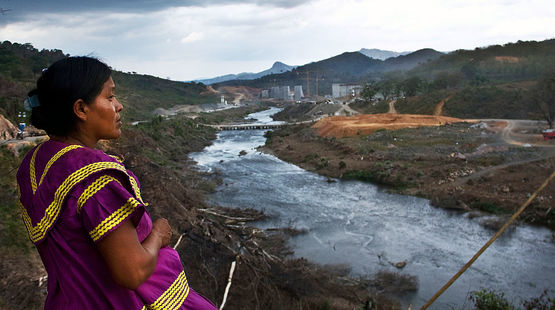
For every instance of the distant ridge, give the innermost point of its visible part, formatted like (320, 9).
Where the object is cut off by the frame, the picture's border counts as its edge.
(411, 60)
(277, 68)
(348, 67)
(381, 54)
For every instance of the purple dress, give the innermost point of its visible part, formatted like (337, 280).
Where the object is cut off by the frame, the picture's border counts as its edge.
(72, 197)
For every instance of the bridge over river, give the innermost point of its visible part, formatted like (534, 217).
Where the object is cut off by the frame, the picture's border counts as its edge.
(255, 126)
(250, 126)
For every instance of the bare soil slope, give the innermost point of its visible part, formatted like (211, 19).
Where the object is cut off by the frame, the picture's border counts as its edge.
(348, 126)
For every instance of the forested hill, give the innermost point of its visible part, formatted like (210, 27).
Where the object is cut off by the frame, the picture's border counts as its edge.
(22, 64)
(515, 80)
(523, 60)
(409, 61)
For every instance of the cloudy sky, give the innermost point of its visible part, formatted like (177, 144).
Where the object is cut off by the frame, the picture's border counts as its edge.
(190, 39)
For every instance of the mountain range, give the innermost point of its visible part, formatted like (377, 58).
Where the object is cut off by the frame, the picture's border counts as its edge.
(349, 67)
(277, 67)
(380, 54)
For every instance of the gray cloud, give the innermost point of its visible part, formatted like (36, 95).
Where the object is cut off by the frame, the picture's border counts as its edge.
(23, 9)
(188, 39)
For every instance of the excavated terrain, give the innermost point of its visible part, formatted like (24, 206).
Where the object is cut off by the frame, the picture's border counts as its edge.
(480, 166)
(364, 124)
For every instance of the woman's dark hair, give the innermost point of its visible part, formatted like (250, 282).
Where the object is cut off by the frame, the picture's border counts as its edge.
(63, 83)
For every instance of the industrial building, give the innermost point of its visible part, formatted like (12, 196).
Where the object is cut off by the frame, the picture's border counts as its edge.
(341, 90)
(283, 93)
(298, 92)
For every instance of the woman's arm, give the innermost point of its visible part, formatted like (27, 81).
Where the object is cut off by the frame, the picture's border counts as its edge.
(130, 261)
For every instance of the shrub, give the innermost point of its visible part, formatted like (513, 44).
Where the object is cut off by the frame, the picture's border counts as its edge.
(543, 302)
(310, 157)
(342, 165)
(487, 207)
(490, 300)
(322, 164)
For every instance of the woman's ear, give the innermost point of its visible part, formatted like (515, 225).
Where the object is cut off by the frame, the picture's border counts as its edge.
(80, 109)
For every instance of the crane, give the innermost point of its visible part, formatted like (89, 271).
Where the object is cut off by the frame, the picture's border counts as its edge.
(308, 78)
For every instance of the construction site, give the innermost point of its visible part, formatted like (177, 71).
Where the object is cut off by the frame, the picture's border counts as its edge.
(487, 165)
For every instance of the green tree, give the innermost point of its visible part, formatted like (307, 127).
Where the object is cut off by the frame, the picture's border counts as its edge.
(369, 91)
(412, 86)
(387, 88)
(445, 80)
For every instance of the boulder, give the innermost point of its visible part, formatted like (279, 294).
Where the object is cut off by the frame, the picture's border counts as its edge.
(7, 129)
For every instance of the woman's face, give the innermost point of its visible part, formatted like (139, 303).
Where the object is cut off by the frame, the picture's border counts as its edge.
(103, 119)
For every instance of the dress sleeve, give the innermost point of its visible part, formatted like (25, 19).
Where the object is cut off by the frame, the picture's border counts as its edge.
(106, 202)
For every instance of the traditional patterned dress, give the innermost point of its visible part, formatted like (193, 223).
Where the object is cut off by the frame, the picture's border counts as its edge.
(73, 196)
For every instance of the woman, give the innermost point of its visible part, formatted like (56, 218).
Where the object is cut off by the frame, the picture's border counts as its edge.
(83, 210)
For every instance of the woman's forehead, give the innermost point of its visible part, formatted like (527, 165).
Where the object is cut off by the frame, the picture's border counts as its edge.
(109, 85)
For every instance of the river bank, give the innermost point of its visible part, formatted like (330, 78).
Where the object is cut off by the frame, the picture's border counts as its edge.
(212, 237)
(366, 230)
(459, 166)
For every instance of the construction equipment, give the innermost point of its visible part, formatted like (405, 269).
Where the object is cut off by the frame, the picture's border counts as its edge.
(548, 134)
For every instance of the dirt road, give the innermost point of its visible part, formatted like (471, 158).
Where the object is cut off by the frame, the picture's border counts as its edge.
(346, 110)
(438, 110)
(392, 107)
(518, 132)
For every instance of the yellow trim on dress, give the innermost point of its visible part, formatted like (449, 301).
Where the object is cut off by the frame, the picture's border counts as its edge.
(118, 158)
(26, 218)
(114, 219)
(38, 232)
(56, 157)
(97, 185)
(32, 169)
(174, 296)
(135, 187)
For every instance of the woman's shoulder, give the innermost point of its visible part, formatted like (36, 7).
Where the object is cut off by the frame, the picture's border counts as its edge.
(74, 154)
(54, 159)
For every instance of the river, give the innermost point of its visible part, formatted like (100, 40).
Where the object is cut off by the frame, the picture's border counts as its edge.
(359, 224)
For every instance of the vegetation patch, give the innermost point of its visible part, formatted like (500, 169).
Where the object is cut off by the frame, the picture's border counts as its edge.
(394, 282)
(490, 300)
(487, 207)
(13, 235)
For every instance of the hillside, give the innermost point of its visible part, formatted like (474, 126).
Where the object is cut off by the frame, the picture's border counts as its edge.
(523, 60)
(21, 65)
(142, 94)
(510, 81)
(409, 61)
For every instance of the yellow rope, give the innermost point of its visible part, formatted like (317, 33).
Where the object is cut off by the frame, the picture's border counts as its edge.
(471, 261)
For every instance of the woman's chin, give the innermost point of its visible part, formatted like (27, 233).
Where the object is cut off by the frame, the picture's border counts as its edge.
(116, 134)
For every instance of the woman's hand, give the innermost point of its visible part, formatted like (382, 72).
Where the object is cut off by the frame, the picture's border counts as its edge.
(161, 229)
(131, 262)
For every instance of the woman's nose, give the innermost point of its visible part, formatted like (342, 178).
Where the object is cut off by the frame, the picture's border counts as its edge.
(119, 106)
